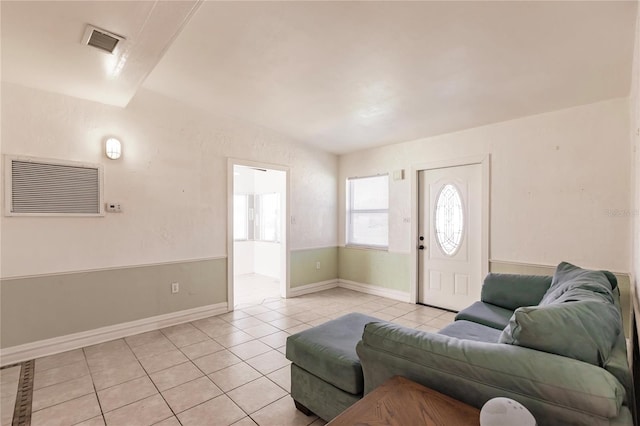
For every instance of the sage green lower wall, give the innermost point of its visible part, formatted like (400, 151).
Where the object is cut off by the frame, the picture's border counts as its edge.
(624, 283)
(393, 271)
(303, 266)
(375, 267)
(47, 306)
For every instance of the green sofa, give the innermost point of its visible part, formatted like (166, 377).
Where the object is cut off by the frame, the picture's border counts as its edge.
(554, 344)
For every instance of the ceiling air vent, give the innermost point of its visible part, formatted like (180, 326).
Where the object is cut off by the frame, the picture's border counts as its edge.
(101, 39)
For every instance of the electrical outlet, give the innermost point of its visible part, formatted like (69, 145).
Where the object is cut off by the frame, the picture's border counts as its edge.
(317, 265)
(175, 287)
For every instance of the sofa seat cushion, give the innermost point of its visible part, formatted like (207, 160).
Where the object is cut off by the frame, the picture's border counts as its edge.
(468, 330)
(328, 351)
(585, 330)
(486, 314)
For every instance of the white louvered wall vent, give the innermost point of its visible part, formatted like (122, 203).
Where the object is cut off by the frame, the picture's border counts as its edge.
(52, 188)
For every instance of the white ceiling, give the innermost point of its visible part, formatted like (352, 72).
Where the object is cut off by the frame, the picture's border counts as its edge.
(41, 45)
(344, 75)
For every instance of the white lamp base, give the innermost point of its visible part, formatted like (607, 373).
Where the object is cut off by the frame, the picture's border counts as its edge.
(505, 412)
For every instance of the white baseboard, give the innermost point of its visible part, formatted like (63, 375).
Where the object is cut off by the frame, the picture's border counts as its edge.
(401, 296)
(14, 354)
(312, 288)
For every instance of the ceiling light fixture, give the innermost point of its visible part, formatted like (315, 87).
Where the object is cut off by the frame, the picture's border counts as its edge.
(113, 148)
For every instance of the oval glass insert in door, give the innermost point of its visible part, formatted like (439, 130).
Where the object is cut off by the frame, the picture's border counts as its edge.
(449, 219)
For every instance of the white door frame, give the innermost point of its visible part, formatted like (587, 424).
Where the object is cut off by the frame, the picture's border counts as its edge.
(285, 284)
(485, 162)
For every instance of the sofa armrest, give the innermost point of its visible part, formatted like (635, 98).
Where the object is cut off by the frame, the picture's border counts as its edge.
(511, 291)
(554, 388)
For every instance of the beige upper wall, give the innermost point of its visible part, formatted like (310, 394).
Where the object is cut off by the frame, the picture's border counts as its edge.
(171, 181)
(634, 107)
(558, 181)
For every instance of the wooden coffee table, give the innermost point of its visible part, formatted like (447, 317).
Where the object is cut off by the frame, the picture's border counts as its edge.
(401, 402)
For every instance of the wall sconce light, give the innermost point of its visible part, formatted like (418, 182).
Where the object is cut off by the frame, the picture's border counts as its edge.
(113, 148)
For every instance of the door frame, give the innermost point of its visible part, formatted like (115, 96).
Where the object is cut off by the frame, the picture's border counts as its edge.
(485, 162)
(285, 260)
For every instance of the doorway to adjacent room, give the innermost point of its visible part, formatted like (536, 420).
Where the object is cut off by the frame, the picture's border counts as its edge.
(259, 248)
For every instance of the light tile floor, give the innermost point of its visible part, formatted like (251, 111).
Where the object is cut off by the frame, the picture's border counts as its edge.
(254, 289)
(9, 378)
(223, 370)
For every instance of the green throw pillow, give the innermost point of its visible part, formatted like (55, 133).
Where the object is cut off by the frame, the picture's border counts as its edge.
(585, 330)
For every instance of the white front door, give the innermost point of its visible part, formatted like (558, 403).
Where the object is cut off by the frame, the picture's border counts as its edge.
(450, 236)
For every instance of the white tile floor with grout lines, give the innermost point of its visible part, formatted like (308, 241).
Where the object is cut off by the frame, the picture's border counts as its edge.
(223, 370)
(9, 379)
(254, 289)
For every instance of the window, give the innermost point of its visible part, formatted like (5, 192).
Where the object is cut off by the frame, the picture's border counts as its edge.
(240, 217)
(256, 217)
(368, 211)
(268, 216)
(449, 219)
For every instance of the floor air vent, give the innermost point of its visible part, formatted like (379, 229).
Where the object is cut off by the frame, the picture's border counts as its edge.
(24, 396)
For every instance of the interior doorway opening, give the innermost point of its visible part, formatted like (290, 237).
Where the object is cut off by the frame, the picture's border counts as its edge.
(259, 235)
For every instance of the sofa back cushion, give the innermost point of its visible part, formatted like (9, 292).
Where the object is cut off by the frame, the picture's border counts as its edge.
(585, 330)
(511, 291)
(571, 282)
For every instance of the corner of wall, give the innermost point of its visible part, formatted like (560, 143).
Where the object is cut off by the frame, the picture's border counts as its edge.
(634, 111)
(314, 267)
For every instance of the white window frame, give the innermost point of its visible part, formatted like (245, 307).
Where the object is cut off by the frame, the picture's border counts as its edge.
(260, 216)
(247, 216)
(254, 216)
(350, 211)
